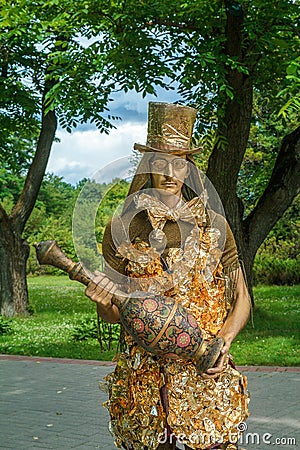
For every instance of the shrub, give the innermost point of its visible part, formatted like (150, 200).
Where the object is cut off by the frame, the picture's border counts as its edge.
(5, 325)
(91, 328)
(86, 329)
(270, 270)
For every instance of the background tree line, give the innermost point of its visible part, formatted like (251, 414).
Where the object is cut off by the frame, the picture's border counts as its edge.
(277, 261)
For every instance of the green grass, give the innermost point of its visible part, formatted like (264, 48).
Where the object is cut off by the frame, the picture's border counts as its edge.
(60, 305)
(273, 338)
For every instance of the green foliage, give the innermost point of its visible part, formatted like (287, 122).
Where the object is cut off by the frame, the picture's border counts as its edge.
(113, 197)
(51, 228)
(272, 270)
(47, 52)
(87, 328)
(291, 92)
(94, 208)
(284, 240)
(52, 218)
(277, 260)
(265, 138)
(89, 198)
(10, 187)
(5, 325)
(108, 335)
(57, 195)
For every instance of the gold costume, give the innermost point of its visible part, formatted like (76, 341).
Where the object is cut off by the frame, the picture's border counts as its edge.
(199, 412)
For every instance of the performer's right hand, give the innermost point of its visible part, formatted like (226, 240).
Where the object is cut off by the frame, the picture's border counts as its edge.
(101, 291)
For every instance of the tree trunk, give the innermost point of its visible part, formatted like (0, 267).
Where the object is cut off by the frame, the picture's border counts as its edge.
(14, 252)
(234, 125)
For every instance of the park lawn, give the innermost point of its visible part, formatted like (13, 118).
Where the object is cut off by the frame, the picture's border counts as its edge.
(59, 307)
(272, 337)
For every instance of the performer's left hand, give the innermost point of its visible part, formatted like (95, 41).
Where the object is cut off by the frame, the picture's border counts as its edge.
(215, 371)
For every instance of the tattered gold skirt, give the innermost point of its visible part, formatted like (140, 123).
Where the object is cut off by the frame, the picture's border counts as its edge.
(201, 412)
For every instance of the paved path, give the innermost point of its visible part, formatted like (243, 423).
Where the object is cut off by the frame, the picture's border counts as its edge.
(56, 404)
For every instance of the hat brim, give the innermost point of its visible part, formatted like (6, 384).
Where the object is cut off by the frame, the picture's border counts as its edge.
(167, 149)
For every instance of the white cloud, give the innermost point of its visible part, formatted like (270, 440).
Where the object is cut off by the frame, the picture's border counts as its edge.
(81, 153)
(132, 103)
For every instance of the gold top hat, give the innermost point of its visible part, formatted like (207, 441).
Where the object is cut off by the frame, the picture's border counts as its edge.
(170, 129)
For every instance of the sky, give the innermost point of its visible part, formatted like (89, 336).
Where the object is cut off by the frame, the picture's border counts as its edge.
(86, 151)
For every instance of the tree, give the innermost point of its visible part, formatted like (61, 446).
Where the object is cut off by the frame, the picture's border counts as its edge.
(47, 75)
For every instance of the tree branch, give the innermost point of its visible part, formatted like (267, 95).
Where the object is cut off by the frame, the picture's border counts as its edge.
(282, 188)
(25, 204)
(27, 199)
(234, 125)
(5, 53)
(3, 214)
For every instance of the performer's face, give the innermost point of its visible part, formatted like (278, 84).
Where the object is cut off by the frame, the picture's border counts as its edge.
(168, 173)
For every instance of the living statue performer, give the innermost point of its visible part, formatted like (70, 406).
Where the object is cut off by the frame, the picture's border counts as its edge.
(171, 239)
